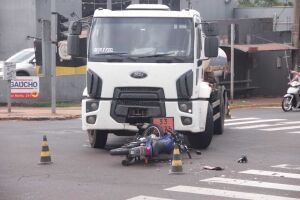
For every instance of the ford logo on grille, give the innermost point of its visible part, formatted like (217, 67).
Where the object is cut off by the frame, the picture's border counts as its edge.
(138, 74)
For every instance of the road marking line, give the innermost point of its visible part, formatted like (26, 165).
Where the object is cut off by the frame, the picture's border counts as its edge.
(295, 132)
(254, 126)
(254, 121)
(291, 122)
(141, 197)
(287, 166)
(226, 193)
(240, 119)
(268, 125)
(271, 173)
(280, 128)
(253, 183)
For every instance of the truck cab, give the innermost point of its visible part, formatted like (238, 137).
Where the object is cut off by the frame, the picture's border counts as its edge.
(145, 62)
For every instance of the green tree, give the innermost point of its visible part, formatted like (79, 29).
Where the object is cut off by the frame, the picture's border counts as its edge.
(263, 3)
(246, 3)
(266, 3)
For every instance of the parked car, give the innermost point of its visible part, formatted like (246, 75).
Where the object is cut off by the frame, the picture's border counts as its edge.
(25, 62)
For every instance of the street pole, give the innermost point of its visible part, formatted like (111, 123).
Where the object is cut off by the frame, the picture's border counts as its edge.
(232, 62)
(9, 96)
(46, 48)
(296, 31)
(53, 56)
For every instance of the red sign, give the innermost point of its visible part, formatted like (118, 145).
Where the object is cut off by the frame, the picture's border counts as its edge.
(167, 123)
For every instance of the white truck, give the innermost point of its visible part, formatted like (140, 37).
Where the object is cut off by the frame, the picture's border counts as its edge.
(146, 62)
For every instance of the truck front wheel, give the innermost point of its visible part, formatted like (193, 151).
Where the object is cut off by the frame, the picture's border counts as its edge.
(219, 123)
(203, 140)
(97, 138)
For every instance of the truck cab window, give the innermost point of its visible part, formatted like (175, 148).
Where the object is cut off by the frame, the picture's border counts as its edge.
(146, 39)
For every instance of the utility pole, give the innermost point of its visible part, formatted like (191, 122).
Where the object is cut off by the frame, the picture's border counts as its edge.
(53, 56)
(295, 34)
(232, 38)
(46, 48)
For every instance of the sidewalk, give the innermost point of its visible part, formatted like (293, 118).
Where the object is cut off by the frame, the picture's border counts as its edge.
(255, 102)
(62, 113)
(39, 113)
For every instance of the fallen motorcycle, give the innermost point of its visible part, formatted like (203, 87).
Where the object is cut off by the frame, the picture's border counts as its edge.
(149, 145)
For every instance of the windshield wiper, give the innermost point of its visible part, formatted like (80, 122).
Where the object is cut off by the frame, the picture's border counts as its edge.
(110, 53)
(171, 58)
(154, 55)
(119, 54)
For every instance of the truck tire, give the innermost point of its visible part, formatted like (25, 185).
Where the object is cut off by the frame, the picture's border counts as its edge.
(97, 138)
(203, 140)
(219, 123)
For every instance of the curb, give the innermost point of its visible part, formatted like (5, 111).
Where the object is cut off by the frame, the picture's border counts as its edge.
(254, 106)
(40, 118)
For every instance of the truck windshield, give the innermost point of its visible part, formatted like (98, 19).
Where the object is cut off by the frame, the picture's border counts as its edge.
(133, 39)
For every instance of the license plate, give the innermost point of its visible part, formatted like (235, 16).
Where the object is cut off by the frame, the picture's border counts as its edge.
(137, 112)
(167, 123)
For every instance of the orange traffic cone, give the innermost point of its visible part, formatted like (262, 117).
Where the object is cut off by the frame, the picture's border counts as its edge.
(45, 154)
(176, 162)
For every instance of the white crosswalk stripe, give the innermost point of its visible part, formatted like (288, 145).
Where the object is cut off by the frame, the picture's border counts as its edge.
(268, 125)
(240, 119)
(226, 193)
(253, 122)
(254, 126)
(267, 194)
(295, 132)
(281, 128)
(141, 197)
(287, 166)
(250, 183)
(271, 173)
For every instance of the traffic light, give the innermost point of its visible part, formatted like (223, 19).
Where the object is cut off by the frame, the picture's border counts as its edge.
(61, 27)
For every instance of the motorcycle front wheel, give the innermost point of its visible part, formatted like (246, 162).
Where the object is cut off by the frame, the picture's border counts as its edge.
(287, 104)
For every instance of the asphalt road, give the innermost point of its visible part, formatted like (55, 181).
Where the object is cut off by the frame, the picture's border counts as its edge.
(268, 137)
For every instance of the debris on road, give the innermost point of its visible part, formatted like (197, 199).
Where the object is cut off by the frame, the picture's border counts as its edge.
(198, 152)
(243, 159)
(213, 168)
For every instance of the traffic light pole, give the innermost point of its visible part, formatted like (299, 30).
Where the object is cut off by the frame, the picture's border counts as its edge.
(53, 56)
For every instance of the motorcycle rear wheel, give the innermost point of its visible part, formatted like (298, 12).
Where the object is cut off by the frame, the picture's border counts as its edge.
(287, 104)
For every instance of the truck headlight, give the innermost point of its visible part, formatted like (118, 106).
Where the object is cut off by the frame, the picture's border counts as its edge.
(92, 106)
(91, 119)
(186, 120)
(185, 107)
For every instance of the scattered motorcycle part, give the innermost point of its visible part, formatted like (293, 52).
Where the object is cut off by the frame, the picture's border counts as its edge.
(198, 152)
(213, 168)
(243, 159)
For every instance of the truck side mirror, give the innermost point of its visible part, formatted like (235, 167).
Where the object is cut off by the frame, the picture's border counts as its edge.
(211, 45)
(73, 48)
(211, 41)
